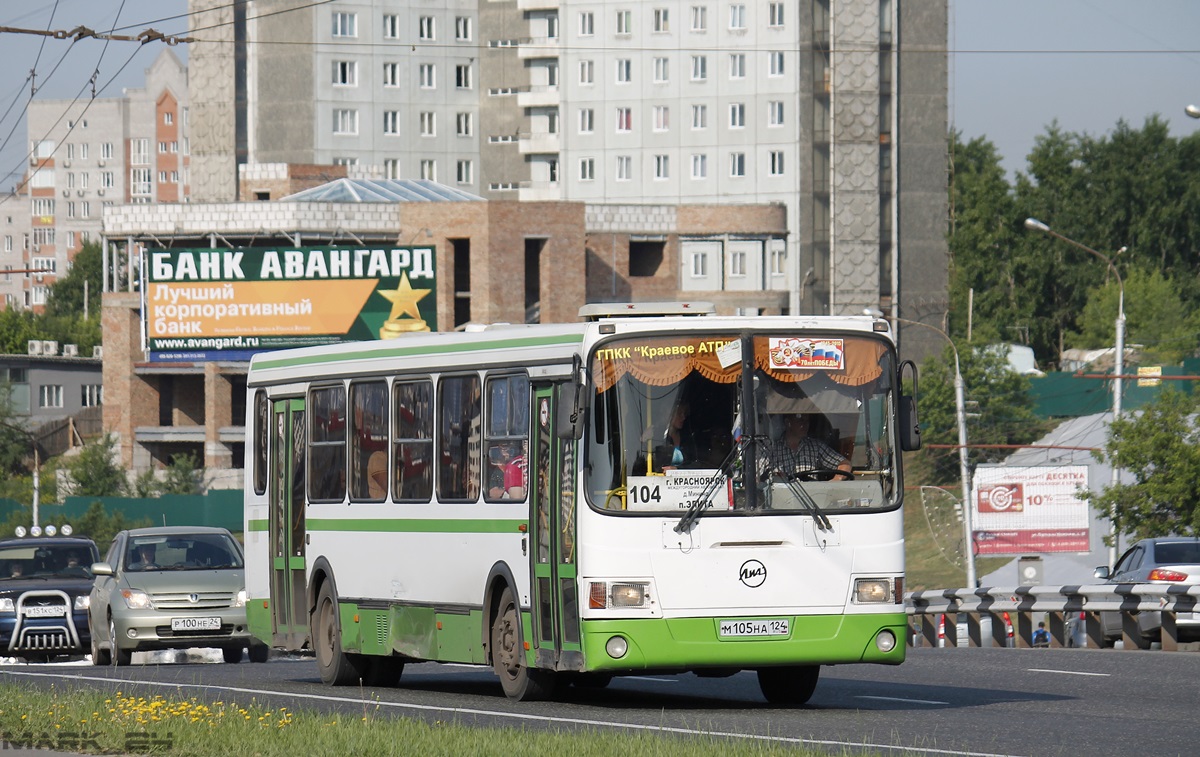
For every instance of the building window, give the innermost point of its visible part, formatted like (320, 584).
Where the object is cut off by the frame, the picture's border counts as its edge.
(91, 395)
(737, 17)
(464, 125)
(345, 73)
(737, 164)
(464, 172)
(699, 166)
(428, 124)
(43, 206)
(737, 263)
(174, 177)
(83, 150)
(429, 170)
(391, 122)
(139, 152)
(168, 118)
(345, 24)
(587, 72)
(462, 76)
(587, 120)
(776, 167)
(737, 66)
(8, 243)
(662, 70)
(162, 177)
(624, 22)
(662, 118)
(427, 73)
(775, 113)
(50, 395)
(139, 181)
(624, 119)
(624, 70)
(425, 28)
(699, 68)
(345, 121)
(391, 74)
(775, 15)
(699, 265)
(737, 115)
(106, 180)
(624, 167)
(391, 168)
(778, 262)
(699, 116)
(345, 161)
(699, 18)
(85, 209)
(587, 24)
(462, 28)
(776, 66)
(662, 20)
(162, 148)
(662, 167)
(587, 169)
(70, 210)
(106, 151)
(391, 26)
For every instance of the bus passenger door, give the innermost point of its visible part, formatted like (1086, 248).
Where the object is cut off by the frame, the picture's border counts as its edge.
(289, 613)
(552, 514)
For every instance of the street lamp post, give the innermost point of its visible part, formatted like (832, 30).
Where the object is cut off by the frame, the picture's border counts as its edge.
(1192, 111)
(963, 466)
(1034, 224)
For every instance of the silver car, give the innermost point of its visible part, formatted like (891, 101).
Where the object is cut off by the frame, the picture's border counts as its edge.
(171, 588)
(1163, 560)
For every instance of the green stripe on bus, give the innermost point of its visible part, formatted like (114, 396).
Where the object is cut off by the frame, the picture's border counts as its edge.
(442, 349)
(418, 525)
(257, 524)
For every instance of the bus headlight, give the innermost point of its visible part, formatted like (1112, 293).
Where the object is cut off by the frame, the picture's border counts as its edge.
(872, 590)
(616, 647)
(885, 641)
(603, 595)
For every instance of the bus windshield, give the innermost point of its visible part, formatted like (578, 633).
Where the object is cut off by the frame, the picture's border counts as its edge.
(723, 423)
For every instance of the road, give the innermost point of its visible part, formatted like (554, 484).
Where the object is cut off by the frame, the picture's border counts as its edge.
(956, 702)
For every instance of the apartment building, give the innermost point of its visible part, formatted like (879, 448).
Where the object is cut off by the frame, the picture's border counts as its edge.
(87, 155)
(16, 226)
(835, 108)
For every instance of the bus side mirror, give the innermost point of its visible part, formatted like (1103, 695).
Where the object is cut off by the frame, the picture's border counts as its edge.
(910, 425)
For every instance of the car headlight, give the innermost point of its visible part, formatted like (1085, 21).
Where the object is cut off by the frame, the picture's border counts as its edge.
(240, 599)
(136, 599)
(83, 601)
(6, 605)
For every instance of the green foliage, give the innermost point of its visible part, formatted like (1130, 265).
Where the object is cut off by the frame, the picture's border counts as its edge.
(67, 294)
(1160, 448)
(1000, 406)
(182, 476)
(1156, 318)
(102, 526)
(95, 472)
(15, 442)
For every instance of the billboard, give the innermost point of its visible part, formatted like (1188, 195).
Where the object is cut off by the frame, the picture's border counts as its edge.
(1018, 510)
(227, 304)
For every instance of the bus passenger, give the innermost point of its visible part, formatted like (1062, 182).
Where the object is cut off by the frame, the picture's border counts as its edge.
(515, 474)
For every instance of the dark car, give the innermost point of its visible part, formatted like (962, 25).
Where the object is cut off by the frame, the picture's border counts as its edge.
(1163, 560)
(45, 584)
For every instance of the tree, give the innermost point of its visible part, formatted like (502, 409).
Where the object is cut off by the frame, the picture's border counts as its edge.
(182, 475)
(1155, 318)
(67, 293)
(1003, 415)
(15, 441)
(94, 471)
(1160, 448)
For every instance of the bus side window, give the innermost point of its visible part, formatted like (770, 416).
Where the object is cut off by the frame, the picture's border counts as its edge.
(368, 441)
(459, 438)
(412, 446)
(327, 444)
(506, 438)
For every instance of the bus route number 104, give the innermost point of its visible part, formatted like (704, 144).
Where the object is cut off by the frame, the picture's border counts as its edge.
(645, 494)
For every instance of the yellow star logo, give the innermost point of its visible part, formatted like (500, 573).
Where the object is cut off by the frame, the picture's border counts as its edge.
(404, 298)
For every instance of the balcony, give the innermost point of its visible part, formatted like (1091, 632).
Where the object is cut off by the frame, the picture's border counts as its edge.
(540, 96)
(539, 142)
(539, 47)
(539, 191)
(536, 5)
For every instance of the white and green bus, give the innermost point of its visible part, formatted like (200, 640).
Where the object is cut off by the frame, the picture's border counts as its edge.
(572, 502)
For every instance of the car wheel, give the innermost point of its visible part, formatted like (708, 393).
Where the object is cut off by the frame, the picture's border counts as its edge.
(232, 655)
(120, 657)
(337, 667)
(791, 685)
(259, 652)
(99, 656)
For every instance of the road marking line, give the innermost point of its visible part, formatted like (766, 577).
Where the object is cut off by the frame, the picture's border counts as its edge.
(900, 699)
(518, 715)
(1069, 672)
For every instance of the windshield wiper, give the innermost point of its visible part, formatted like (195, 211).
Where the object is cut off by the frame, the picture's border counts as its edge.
(809, 503)
(724, 473)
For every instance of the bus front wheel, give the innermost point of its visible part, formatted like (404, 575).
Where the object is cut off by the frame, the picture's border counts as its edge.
(337, 667)
(508, 656)
(789, 685)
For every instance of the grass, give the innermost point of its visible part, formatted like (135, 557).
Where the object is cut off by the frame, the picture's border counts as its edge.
(77, 719)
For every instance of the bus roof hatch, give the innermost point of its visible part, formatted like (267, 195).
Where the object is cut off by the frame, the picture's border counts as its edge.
(599, 310)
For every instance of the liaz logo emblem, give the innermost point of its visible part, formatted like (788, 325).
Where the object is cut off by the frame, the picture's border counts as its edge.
(752, 573)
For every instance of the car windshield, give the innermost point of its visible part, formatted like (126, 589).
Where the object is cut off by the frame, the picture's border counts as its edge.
(670, 425)
(182, 552)
(45, 561)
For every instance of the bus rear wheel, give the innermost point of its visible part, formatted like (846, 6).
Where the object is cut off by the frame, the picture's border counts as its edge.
(789, 685)
(508, 656)
(336, 666)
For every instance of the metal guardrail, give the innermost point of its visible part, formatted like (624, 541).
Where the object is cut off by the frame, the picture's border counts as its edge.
(1057, 603)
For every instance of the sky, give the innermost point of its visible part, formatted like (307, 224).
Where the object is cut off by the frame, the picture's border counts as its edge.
(1015, 65)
